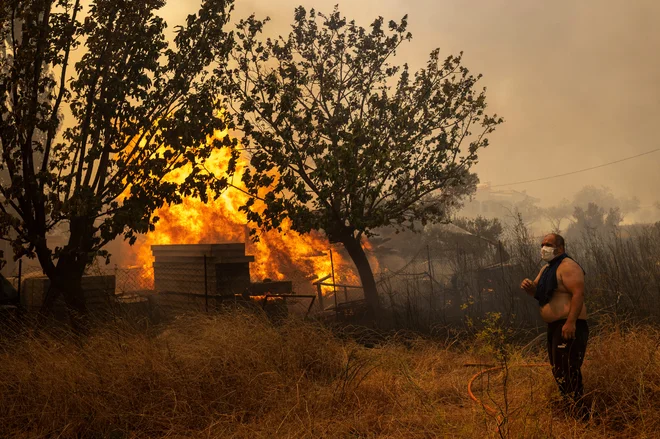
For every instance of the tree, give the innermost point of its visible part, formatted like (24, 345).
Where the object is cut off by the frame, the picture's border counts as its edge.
(343, 141)
(594, 220)
(580, 208)
(90, 145)
(557, 214)
(490, 229)
(603, 197)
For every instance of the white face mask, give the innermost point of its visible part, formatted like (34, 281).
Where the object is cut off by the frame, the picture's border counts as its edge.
(547, 253)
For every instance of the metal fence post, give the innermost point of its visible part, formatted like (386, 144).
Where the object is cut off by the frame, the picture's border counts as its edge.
(319, 292)
(206, 288)
(336, 307)
(334, 286)
(20, 272)
(428, 256)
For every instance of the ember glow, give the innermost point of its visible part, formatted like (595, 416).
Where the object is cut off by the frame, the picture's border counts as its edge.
(278, 255)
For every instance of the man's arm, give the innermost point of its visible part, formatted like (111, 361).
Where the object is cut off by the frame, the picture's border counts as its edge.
(538, 276)
(573, 279)
(530, 286)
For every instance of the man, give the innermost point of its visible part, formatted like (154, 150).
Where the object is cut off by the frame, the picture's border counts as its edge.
(559, 289)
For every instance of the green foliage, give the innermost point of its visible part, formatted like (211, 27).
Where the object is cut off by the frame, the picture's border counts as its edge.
(90, 144)
(357, 141)
(495, 337)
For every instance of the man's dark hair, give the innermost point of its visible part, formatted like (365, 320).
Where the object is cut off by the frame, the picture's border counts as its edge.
(559, 240)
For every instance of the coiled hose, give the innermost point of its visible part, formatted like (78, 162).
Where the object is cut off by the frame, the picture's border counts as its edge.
(490, 410)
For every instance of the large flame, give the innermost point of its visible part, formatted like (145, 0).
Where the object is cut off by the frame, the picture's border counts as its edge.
(278, 255)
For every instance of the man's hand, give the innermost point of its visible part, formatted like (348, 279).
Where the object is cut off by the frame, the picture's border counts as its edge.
(528, 286)
(568, 330)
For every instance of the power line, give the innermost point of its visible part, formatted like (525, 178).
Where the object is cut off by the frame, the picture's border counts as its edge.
(579, 170)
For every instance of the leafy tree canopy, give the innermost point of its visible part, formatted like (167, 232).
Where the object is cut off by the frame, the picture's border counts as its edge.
(90, 144)
(343, 140)
(342, 137)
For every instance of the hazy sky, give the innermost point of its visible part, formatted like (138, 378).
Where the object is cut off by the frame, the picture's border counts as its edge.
(578, 82)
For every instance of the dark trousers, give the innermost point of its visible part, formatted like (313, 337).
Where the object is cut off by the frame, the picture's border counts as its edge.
(566, 357)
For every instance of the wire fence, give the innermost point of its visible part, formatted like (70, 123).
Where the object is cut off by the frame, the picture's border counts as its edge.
(460, 283)
(436, 286)
(446, 284)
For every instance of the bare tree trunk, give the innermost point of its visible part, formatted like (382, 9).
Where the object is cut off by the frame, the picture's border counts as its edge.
(359, 257)
(66, 281)
(66, 277)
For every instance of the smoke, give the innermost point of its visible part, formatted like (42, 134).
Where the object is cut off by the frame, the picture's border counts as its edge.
(577, 82)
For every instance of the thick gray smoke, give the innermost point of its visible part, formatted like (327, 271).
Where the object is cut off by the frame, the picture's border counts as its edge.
(577, 81)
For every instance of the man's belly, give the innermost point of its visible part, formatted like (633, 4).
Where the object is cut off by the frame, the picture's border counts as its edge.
(559, 307)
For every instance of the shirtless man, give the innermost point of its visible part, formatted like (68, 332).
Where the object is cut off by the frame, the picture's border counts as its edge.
(559, 288)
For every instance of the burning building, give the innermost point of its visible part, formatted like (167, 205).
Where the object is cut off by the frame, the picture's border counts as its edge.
(203, 276)
(278, 254)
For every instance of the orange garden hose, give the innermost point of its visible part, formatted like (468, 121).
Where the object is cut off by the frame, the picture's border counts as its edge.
(490, 410)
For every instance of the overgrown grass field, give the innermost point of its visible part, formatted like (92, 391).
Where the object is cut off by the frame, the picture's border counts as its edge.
(236, 375)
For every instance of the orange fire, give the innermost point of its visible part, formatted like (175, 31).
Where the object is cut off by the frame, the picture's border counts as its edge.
(278, 255)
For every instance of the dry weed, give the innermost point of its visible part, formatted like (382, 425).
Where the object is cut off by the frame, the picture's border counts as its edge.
(238, 376)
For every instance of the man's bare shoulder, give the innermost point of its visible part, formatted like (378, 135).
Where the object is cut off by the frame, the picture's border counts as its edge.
(569, 266)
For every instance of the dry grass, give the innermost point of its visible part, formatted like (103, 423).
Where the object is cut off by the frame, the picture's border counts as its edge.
(622, 384)
(237, 376)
